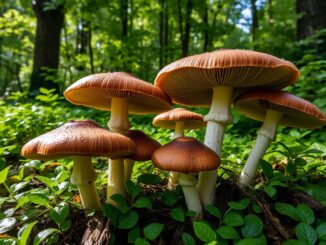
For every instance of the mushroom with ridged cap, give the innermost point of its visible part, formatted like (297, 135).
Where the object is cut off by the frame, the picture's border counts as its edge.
(210, 79)
(121, 93)
(80, 140)
(186, 155)
(178, 120)
(145, 146)
(274, 107)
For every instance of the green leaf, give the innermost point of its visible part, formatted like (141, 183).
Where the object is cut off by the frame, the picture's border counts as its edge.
(242, 204)
(132, 188)
(233, 219)
(24, 233)
(143, 202)
(43, 235)
(213, 210)
(141, 241)
(122, 202)
(149, 179)
(111, 212)
(321, 231)
(16, 187)
(47, 181)
(128, 220)
(3, 174)
(153, 230)
(270, 190)
(267, 168)
(253, 226)
(187, 239)
(65, 225)
(306, 233)
(133, 234)
(178, 214)
(203, 231)
(7, 224)
(170, 198)
(60, 213)
(305, 214)
(256, 208)
(7, 241)
(21, 201)
(248, 241)
(39, 199)
(227, 232)
(287, 209)
(294, 242)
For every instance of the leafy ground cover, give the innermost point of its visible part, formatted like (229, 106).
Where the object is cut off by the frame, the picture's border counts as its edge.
(40, 206)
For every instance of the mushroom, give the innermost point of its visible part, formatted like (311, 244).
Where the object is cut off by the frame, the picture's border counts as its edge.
(120, 93)
(145, 146)
(186, 155)
(274, 107)
(178, 120)
(80, 140)
(210, 79)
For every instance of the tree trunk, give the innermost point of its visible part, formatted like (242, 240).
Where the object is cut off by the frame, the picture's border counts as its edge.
(254, 20)
(313, 17)
(47, 46)
(161, 33)
(206, 27)
(185, 26)
(124, 34)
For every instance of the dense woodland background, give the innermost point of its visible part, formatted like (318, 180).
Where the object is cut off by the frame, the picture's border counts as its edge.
(52, 43)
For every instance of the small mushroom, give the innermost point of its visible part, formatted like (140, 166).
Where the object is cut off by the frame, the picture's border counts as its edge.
(178, 119)
(210, 79)
(145, 146)
(274, 108)
(121, 93)
(80, 140)
(186, 155)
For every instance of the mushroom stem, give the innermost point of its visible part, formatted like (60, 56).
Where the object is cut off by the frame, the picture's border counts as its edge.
(265, 135)
(119, 122)
(174, 176)
(188, 183)
(83, 176)
(115, 179)
(218, 117)
(128, 165)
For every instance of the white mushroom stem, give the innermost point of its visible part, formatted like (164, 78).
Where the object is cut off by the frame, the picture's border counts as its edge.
(188, 183)
(83, 176)
(218, 117)
(115, 179)
(265, 135)
(174, 176)
(128, 165)
(118, 123)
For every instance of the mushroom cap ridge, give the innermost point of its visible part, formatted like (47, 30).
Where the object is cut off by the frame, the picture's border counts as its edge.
(189, 81)
(97, 90)
(185, 155)
(82, 138)
(298, 112)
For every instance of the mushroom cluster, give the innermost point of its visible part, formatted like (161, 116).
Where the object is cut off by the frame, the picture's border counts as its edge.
(250, 80)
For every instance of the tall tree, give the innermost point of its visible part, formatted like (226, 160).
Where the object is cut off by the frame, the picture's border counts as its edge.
(185, 26)
(50, 20)
(164, 32)
(254, 21)
(312, 17)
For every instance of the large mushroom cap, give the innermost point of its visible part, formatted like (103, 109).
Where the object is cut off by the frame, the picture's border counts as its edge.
(189, 80)
(297, 112)
(82, 138)
(185, 155)
(97, 90)
(145, 145)
(190, 119)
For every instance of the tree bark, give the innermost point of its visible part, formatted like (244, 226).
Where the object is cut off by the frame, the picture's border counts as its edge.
(185, 26)
(313, 17)
(47, 46)
(254, 20)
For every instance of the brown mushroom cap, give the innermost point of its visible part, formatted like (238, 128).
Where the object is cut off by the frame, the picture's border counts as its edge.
(145, 145)
(168, 119)
(185, 155)
(82, 138)
(298, 112)
(97, 90)
(189, 81)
